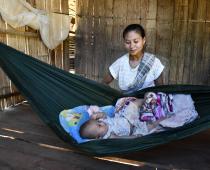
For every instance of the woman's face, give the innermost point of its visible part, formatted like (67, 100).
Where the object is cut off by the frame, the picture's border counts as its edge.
(134, 43)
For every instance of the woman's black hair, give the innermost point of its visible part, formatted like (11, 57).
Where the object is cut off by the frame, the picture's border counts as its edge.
(134, 27)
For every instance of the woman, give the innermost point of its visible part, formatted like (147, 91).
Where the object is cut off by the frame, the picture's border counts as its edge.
(136, 69)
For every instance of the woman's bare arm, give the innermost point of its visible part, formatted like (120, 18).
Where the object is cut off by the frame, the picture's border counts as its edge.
(159, 80)
(107, 78)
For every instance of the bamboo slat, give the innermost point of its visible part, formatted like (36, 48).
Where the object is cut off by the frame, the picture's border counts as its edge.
(177, 30)
(25, 39)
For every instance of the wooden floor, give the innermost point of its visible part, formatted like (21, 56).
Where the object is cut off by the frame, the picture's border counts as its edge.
(27, 143)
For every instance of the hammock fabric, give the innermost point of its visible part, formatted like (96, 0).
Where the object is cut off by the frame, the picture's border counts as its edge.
(50, 90)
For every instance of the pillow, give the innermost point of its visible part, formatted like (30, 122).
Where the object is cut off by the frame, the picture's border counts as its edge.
(109, 110)
(72, 119)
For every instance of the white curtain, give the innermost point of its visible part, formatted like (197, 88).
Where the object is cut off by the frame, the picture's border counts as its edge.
(53, 27)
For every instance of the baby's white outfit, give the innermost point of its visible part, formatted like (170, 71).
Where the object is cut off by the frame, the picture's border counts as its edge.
(126, 123)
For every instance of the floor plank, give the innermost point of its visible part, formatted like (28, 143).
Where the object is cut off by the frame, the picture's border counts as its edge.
(27, 143)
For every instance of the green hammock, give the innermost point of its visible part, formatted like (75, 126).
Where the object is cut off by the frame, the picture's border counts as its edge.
(50, 90)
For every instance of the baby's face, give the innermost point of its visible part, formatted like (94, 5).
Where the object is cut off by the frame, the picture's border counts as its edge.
(98, 128)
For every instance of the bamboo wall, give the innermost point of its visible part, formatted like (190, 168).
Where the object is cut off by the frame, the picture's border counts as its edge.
(178, 30)
(27, 40)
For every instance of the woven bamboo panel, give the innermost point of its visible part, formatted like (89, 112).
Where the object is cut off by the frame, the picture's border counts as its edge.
(25, 39)
(176, 30)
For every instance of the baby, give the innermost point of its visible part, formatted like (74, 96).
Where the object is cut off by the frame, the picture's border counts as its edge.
(125, 123)
(102, 127)
(138, 117)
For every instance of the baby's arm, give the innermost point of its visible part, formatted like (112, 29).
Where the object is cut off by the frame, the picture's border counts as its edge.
(138, 102)
(113, 136)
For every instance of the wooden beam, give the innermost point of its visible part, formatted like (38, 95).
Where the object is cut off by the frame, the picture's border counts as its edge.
(21, 33)
(5, 96)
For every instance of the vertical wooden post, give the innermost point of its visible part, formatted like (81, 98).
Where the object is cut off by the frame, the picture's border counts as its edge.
(66, 60)
(52, 57)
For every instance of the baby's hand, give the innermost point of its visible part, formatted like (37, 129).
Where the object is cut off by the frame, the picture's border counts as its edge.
(98, 115)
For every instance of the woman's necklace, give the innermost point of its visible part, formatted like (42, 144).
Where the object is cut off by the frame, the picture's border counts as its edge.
(135, 60)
